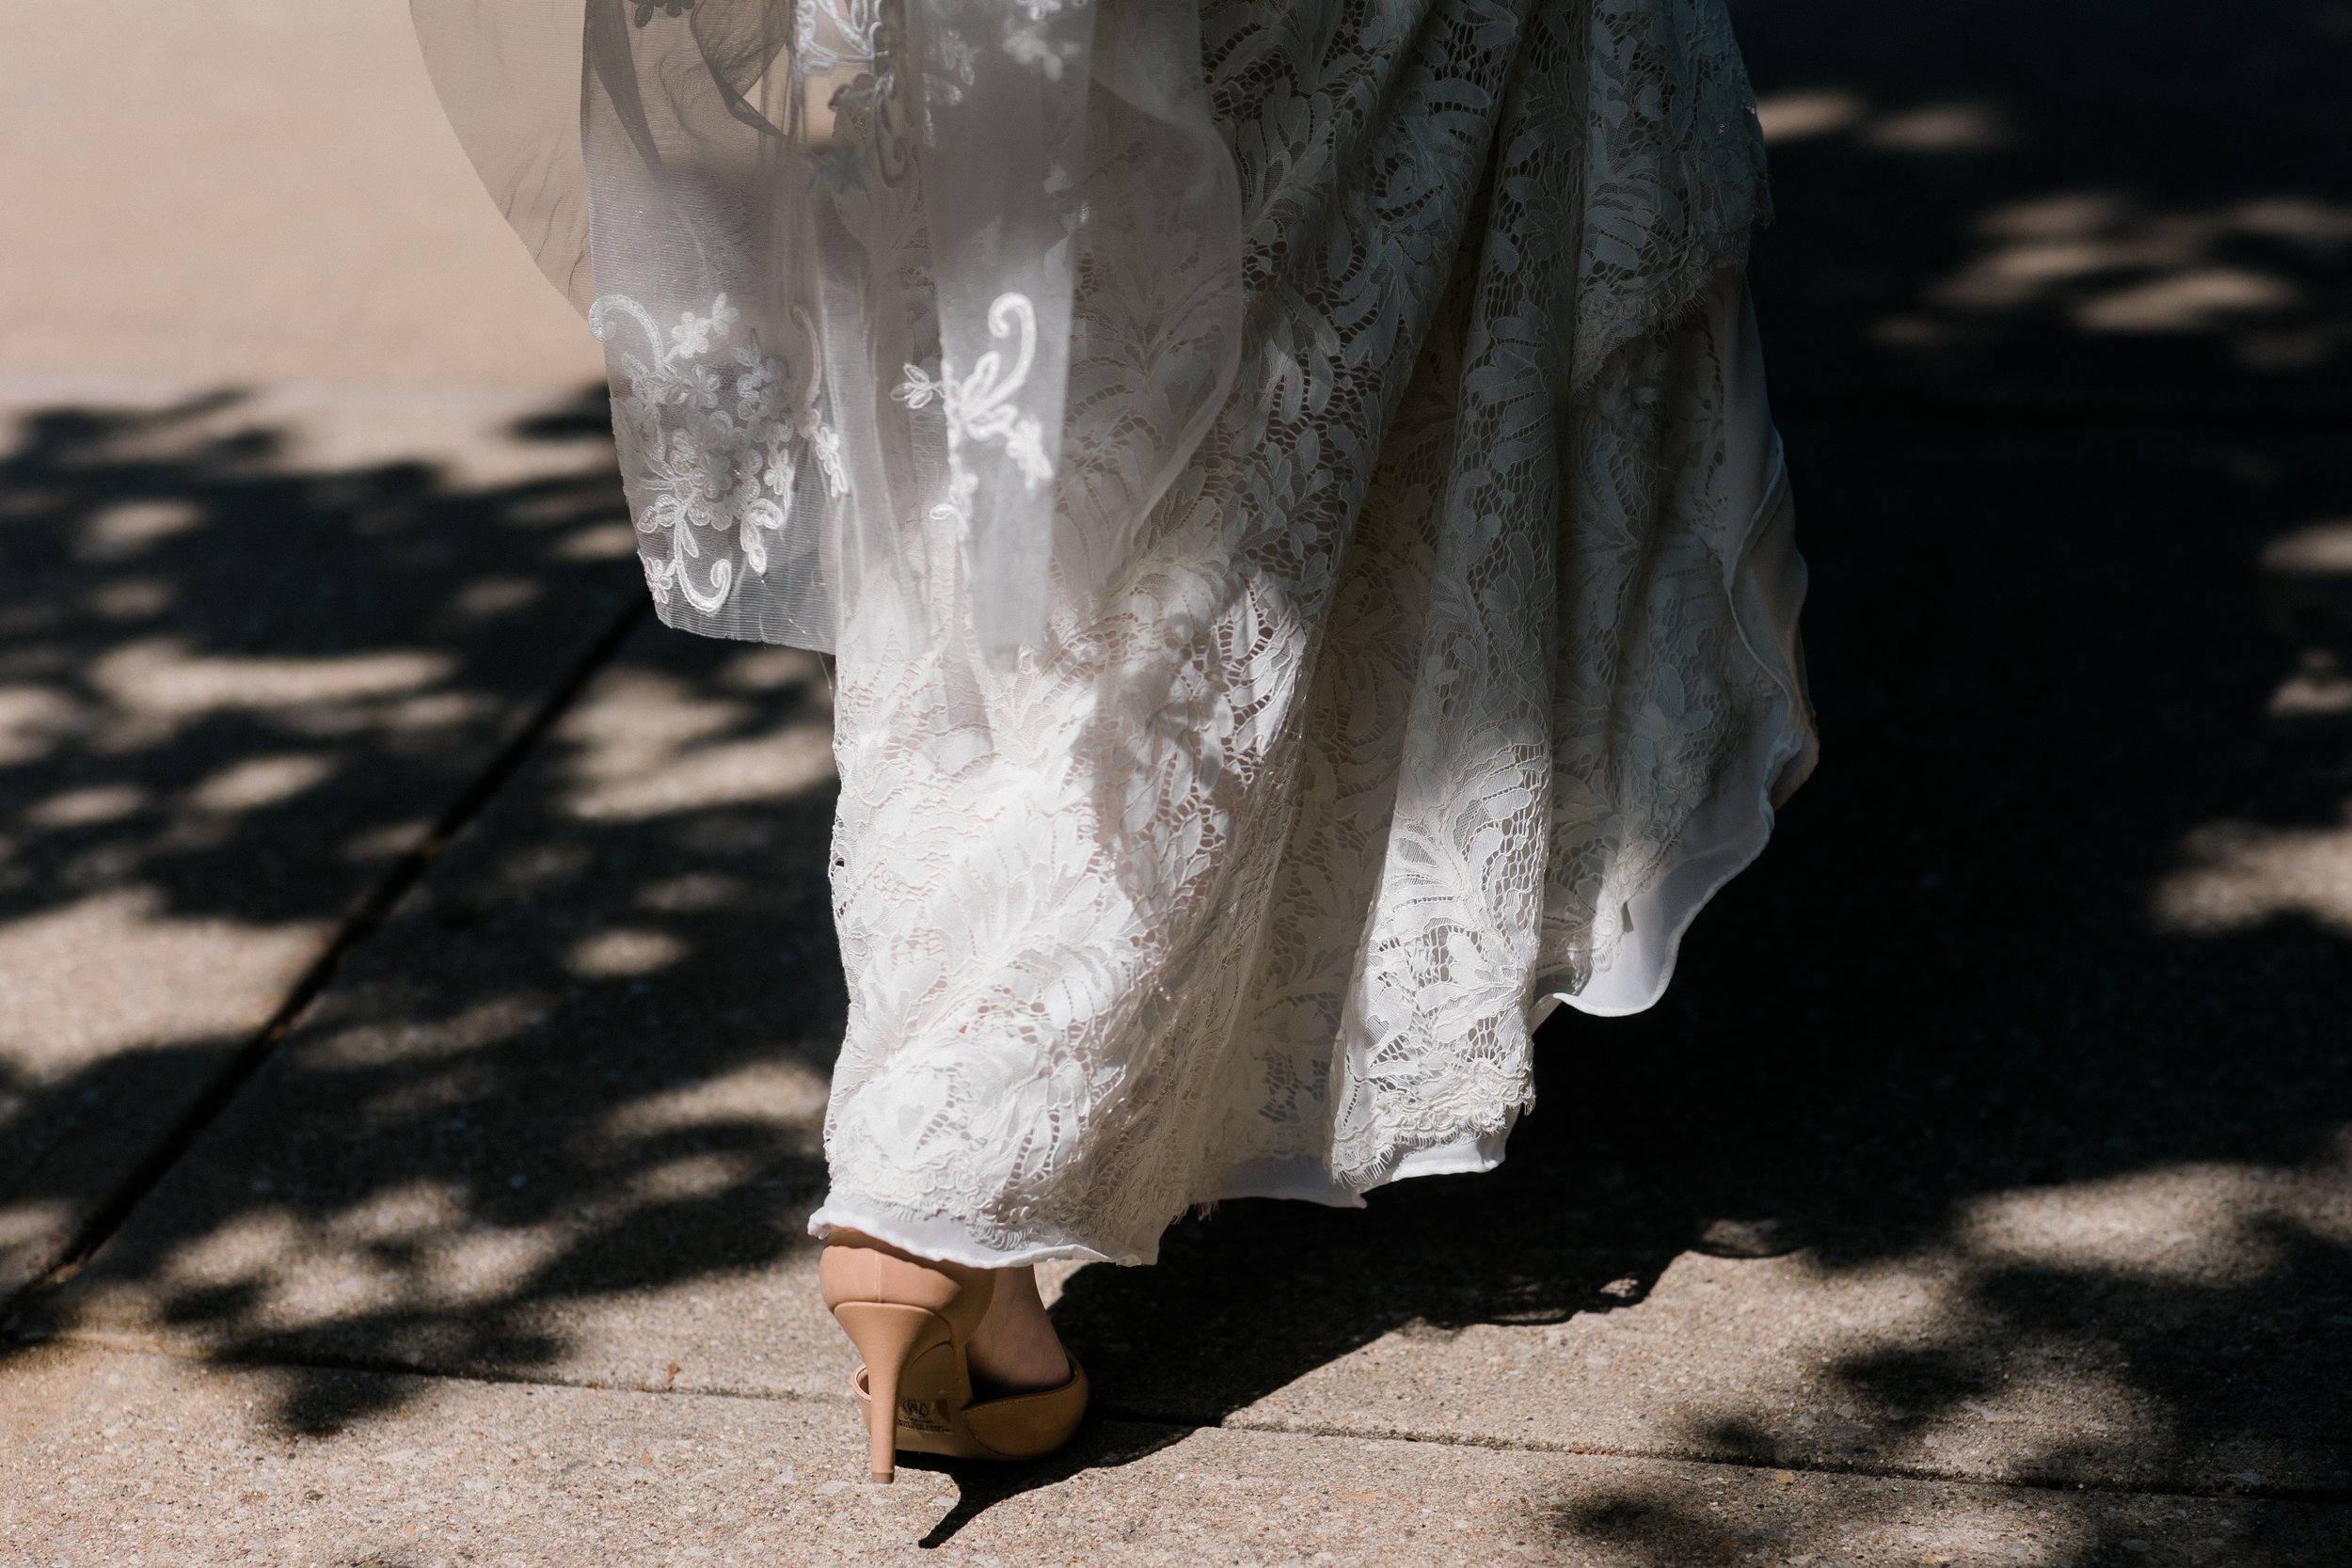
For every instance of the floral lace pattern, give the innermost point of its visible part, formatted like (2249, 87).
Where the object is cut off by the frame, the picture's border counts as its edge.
(981, 408)
(1434, 688)
(710, 456)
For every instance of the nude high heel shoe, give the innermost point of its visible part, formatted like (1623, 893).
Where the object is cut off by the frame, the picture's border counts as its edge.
(912, 1320)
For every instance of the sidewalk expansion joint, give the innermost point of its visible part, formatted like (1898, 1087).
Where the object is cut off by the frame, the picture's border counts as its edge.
(2029, 1482)
(378, 1365)
(1167, 1421)
(374, 908)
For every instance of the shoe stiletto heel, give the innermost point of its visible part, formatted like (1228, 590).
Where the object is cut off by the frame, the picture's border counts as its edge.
(912, 1320)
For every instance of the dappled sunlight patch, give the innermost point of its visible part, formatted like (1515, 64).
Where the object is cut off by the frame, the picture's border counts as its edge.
(164, 676)
(1790, 117)
(624, 953)
(385, 840)
(1939, 128)
(1944, 129)
(126, 528)
(692, 892)
(363, 1047)
(114, 970)
(2315, 550)
(2057, 218)
(1810, 1521)
(648, 744)
(692, 1175)
(2198, 299)
(2021, 1344)
(488, 598)
(2110, 263)
(1947, 1410)
(2238, 875)
(2323, 226)
(23, 1220)
(417, 1247)
(2207, 1223)
(131, 599)
(412, 1212)
(769, 667)
(428, 1094)
(2320, 688)
(1916, 1380)
(257, 781)
(486, 1265)
(634, 716)
(88, 806)
(251, 647)
(474, 437)
(34, 719)
(601, 542)
(538, 869)
(783, 1090)
(436, 710)
(245, 1248)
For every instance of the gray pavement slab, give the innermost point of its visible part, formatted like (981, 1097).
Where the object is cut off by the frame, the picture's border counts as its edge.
(251, 646)
(561, 1116)
(127, 1458)
(256, 193)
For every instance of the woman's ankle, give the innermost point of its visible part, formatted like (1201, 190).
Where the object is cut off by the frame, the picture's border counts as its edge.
(1015, 1346)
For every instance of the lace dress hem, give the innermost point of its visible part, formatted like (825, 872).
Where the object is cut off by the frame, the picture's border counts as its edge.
(1765, 582)
(1299, 1177)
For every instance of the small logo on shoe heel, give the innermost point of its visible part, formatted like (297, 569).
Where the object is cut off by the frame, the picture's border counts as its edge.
(921, 1415)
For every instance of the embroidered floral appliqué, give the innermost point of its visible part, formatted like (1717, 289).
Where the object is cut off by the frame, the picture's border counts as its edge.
(981, 406)
(712, 439)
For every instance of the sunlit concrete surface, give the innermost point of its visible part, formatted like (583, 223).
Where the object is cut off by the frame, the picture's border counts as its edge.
(242, 191)
(197, 1464)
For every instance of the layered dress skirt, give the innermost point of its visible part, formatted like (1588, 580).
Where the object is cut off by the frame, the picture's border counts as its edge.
(1414, 645)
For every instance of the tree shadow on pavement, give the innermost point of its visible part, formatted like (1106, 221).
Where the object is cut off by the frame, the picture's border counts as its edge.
(250, 646)
(249, 684)
(580, 1070)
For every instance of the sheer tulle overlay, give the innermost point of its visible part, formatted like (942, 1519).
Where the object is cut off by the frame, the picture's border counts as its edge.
(1406, 640)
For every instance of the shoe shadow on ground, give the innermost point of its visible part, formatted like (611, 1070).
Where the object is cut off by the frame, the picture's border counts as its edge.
(2029, 1030)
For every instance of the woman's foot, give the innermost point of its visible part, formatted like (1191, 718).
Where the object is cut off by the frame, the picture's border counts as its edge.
(955, 1361)
(1015, 1348)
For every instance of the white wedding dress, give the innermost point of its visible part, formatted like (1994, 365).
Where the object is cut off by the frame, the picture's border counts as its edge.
(1428, 659)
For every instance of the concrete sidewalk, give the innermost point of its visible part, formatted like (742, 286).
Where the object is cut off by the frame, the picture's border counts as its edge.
(417, 991)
